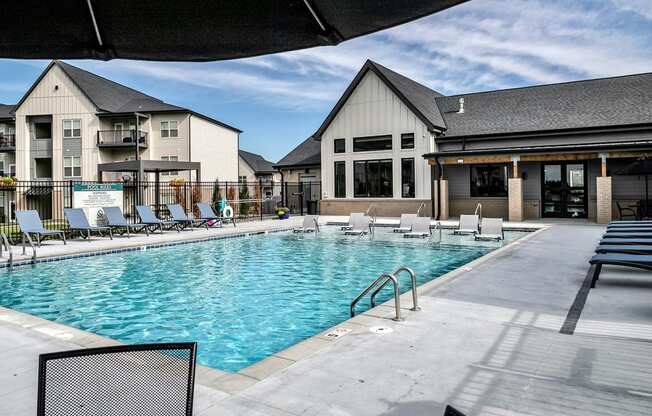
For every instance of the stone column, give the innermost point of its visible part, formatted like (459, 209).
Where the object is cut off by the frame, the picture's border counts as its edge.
(515, 199)
(443, 199)
(603, 196)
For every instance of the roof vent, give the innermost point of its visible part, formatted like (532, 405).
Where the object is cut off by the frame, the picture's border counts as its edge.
(461, 110)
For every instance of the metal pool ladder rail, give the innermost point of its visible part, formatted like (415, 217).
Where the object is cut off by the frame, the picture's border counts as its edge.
(5, 243)
(382, 281)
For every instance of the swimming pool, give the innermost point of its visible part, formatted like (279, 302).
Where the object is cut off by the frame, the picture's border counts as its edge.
(242, 299)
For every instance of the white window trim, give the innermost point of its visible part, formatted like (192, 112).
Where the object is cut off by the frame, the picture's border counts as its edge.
(168, 129)
(72, 166)
(168, 158)
(72, 128)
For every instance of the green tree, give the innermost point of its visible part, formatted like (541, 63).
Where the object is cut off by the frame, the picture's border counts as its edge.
(217, 195)
(244, 195)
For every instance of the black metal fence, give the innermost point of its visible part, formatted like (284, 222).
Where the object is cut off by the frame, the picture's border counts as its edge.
(249, 200)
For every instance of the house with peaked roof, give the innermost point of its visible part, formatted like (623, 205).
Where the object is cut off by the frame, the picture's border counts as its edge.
(301, 174)
(71, 120)
(255, 168)
(546, 151)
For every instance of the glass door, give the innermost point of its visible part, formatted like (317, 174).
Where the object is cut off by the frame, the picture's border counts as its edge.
(564, 190)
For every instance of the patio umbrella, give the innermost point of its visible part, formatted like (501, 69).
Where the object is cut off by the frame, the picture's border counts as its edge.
(201, 30)
(640, 167)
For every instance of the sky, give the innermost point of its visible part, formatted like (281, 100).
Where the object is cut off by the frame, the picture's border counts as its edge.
(280, 100)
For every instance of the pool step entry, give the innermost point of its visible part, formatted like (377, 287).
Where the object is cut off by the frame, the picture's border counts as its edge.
(380, 283)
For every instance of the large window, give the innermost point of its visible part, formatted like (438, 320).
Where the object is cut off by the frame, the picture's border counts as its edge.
(71, 166)
(340, 179)
(407, 178)
(172, 159)
(372, 143)
(71, 129)
(489, 180)
(169, 129)
(339, 146)
(407, 141)
(372, 178)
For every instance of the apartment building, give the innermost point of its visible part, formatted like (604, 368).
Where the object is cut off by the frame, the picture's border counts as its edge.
(255, 168)
(71, 120)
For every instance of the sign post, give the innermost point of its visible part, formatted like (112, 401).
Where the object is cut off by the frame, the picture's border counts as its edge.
(92, 197)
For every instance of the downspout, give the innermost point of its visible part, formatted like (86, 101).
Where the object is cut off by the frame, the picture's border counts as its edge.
(439, 169)
(282, 188)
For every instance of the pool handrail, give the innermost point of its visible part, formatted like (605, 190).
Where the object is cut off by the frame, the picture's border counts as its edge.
(5, 243)
(397, 294)
(413, 281)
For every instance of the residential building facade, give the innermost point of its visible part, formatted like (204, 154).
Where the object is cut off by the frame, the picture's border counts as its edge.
(254, 168)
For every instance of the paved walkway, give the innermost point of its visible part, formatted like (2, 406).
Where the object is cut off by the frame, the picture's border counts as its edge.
(487, 342)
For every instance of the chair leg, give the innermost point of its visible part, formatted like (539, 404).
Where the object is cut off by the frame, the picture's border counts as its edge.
(596, 274)
(110, 234)
(63, 237)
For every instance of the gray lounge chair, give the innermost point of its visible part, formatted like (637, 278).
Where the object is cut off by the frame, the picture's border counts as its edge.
(627, 235)
(624, 248)
(30, 224)
(469, 224)
(207, 214)
(77, 222)
(639, 261)
(179, 215)
(310, 224)
(646, 229)
(629, 241)
(405, 225)
(420, 228)
(491, 229)
(631, 222)
(116, 221)
(352, 219)
(147, 217)
(361, 226)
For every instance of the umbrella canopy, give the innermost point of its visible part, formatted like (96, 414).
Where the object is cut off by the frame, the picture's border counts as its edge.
(199, 30)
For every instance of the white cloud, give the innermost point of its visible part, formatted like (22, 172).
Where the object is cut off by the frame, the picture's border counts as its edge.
(641, 7)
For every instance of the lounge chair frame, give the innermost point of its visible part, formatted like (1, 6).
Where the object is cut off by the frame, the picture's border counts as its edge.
(85, 229)
(122, 226)
(631, 261)
(206, 213)
(38, 230)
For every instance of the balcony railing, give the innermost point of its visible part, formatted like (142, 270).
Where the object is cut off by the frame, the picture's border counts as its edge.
(7, 142)
(121, 138)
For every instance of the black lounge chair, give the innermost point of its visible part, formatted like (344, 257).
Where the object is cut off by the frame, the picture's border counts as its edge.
(179, 215)
(117, 222)
(646, 229)
(639, 261)
(621, 241)
(634, 222)
(624, 248)
(147, 217)
(77, 222)
(617, 234)
(145, 379)
(30, 224)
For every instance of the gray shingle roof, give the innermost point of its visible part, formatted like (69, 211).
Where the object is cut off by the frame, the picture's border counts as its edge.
(258, 163)
(605, 102)
(419, 98)
(305, 154)
(6, 111)
(110, 97)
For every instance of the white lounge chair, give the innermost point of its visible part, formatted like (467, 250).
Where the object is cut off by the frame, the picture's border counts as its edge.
(491, 229)
(352, 218)
(405, 226)
(420, 228)
(310, 224)
(468, 225)
(360, 226)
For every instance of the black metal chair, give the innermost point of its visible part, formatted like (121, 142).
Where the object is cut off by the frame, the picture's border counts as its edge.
(126, 380)
(451, 411)
(625, 212)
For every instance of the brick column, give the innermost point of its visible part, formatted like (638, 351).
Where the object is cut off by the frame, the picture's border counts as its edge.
(603, 195)
(443, 199)
(515, 195)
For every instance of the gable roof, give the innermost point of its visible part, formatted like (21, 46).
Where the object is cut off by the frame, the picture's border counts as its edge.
(111, 97)
(258, 163)
(595, 103)
(6, 111)
(417, 97)
(307, 153)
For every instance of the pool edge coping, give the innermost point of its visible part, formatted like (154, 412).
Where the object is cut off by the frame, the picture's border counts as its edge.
(233, 383)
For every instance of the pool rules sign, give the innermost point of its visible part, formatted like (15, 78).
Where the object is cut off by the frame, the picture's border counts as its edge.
(92, 197)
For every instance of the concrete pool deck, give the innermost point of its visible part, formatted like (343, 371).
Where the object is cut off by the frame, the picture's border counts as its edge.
(486, 340)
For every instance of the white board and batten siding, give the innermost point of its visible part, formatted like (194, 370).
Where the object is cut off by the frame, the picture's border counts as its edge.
(216, 147)
(373, 110)
(58, 96)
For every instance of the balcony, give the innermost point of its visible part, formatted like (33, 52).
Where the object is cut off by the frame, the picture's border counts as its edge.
(7, 143)
(121, 138)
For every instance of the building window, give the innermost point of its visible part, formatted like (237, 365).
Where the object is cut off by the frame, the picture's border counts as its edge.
(71, 129)
(169, 129)
(12, 170)
(407, 141)
(339, 146)
(71, 166)
(340, 179)
(171, 159)
(372, 178)
(488, 180)
(407, 178)
(372, 143)
(242, 179)
(2, 168)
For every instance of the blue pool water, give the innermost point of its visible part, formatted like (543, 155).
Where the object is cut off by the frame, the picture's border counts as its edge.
(241, 299)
